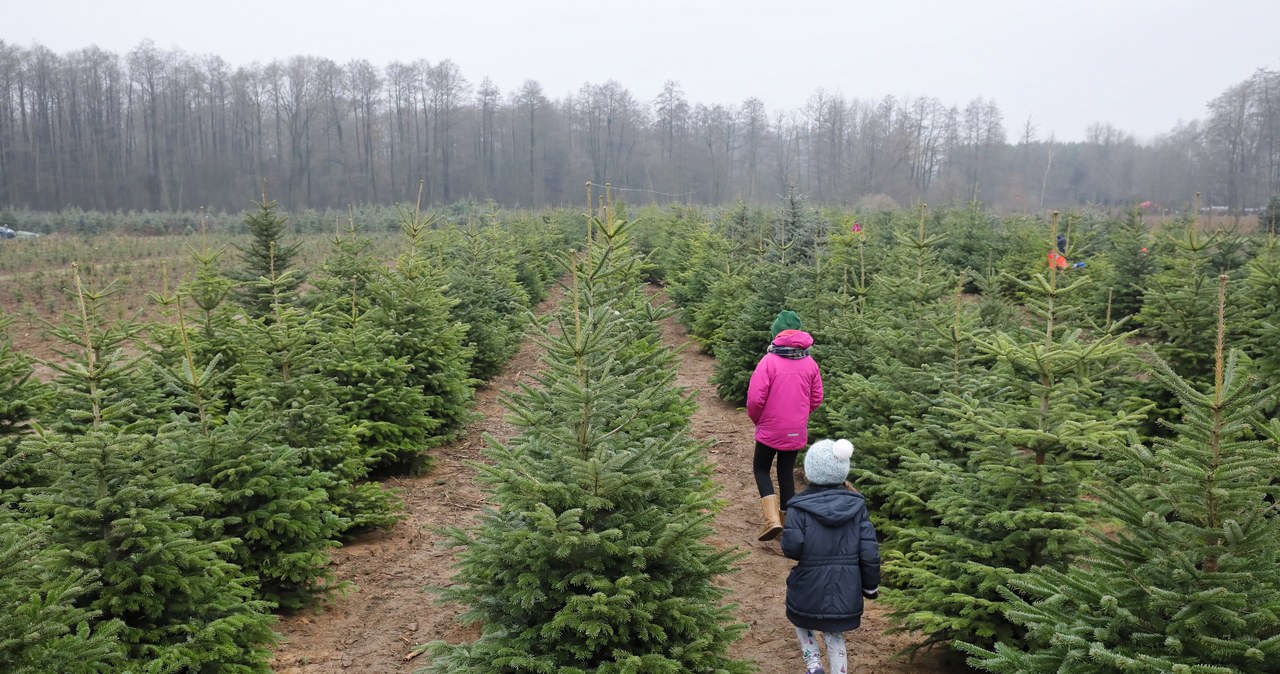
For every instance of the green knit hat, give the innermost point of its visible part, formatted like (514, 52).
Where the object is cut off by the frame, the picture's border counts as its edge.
(786, 320)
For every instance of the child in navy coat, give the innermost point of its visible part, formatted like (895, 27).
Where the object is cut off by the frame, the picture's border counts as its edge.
(830, 534)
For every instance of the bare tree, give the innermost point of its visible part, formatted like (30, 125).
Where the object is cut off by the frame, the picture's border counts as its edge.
(447, 89)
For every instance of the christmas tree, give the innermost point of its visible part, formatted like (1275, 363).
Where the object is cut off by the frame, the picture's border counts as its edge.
(1012, 501)
(488, 299)
(390, 415)
(267, 256)
(271, 506)
(21, 399)
(1131, 264)
(1184, 576)
(45, 626)
(1261, 304)
(113, 500)
(284, 382)
(93, 367)
(595, 559)
(409, 303)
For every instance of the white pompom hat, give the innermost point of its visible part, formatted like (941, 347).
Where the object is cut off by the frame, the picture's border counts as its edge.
(827, 462)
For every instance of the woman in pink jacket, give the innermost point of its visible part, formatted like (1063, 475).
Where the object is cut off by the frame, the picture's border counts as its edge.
(785, 387)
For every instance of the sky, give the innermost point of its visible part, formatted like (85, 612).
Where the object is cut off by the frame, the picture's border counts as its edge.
(1142, 65)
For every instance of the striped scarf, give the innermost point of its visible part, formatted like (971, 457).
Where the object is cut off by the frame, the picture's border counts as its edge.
(792, 352)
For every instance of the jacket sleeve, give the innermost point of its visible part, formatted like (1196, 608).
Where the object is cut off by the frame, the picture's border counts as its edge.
(758, 390)
(793, 534)
(869, 555)
(815, 393)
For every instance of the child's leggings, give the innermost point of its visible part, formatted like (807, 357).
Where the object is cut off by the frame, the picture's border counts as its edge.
(835, 651)
(760, 464)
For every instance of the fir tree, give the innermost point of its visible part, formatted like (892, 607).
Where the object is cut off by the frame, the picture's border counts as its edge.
(1261, 324)
(913, 282)
(700, 255)
(1269, 218)
(889, 363)
(410, 303)
(45, 626)
(390, 415)
(972, 238)
(1132, 263)
(266, 257)
(274, 509)
(488, 299)
(533, 269)
(842, 324)
(1177, 311)
(113, 501)
(21, 399)
(704, 283)
(216, 321)
(595, 560)
(1178, 308)
(283, 383)
(797, 230)
(742, 340)
(1188, 581)
(346, 272)
(1013, 501)
(90, 337)
(771, 284)
(712, 316)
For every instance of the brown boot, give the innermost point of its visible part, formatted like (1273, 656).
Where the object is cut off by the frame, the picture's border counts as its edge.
(772, 518)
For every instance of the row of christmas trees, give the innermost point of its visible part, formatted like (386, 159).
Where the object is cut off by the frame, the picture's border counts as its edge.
(594, 557)
(1001, 415)
(176, 482)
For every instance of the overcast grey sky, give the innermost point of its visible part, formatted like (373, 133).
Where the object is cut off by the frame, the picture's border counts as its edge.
(1141, 65)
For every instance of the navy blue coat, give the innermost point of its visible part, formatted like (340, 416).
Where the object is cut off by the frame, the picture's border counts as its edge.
(829, 532)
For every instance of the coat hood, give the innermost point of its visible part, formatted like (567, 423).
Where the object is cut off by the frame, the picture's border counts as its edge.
(832, 506)
(794, 338)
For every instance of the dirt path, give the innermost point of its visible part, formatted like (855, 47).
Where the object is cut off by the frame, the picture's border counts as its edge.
(759, 588)
(378, 623)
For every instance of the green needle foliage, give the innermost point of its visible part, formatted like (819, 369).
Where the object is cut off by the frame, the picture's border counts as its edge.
(536, 245)
(1185, 579)
(1178, 306)
(1132, 263)
(272, 507)
(390, 416)
(283, 383)
(1262, 309)
(595, 560)
(21, 399)
(45, 626)
(410, 305)
(114, 502)
(700, 260)
(904, 341)
(1013, 501)
(266, 257)
(94, 370)
(488, 299)
(773, 283)
(216, 321)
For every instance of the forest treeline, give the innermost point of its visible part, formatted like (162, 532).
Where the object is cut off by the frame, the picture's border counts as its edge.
(159, 129)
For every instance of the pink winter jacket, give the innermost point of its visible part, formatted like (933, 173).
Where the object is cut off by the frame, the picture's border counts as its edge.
(782, 393)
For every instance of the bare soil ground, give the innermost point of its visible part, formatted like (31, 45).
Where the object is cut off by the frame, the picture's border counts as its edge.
(375, 628)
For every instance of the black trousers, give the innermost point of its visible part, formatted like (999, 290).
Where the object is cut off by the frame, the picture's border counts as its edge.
(763, 461)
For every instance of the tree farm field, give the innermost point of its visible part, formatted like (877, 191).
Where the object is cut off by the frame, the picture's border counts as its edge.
(1001, 407)
(36, 275)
